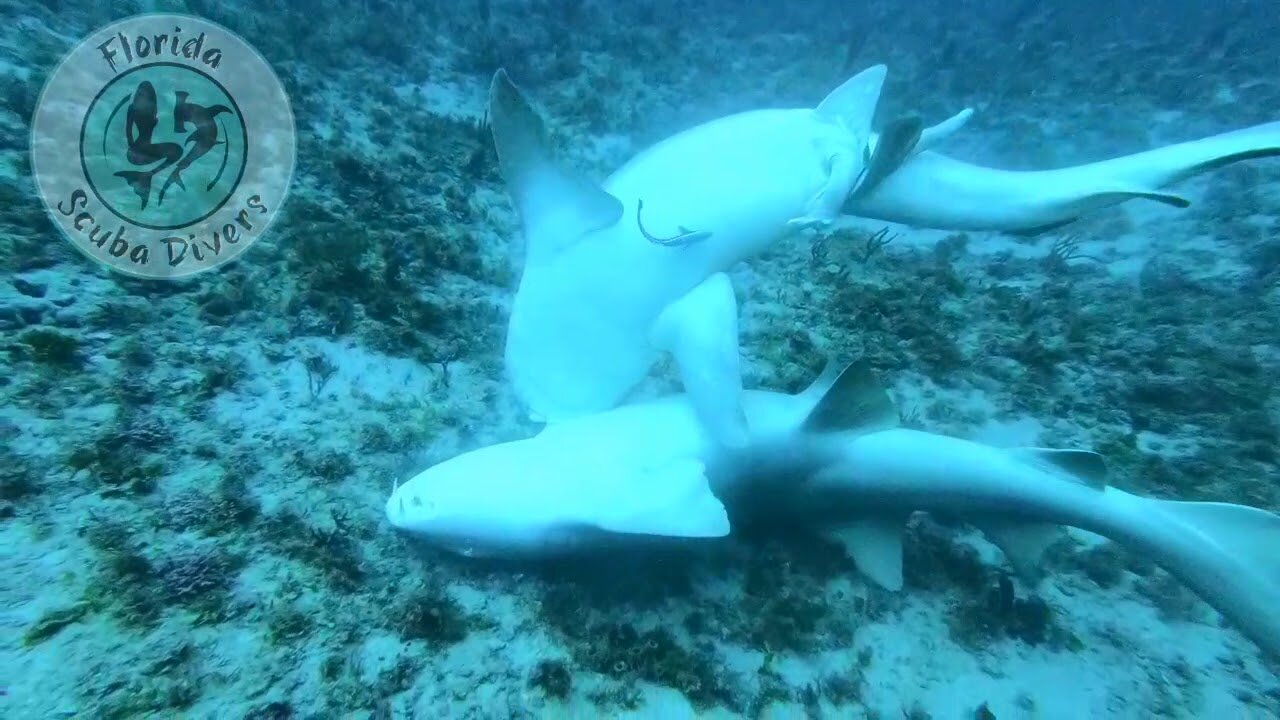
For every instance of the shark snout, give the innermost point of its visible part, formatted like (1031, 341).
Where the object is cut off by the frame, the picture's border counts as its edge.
(395, 510)
(410, 508)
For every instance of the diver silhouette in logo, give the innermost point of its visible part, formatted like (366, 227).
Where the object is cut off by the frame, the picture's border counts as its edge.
(140, 124)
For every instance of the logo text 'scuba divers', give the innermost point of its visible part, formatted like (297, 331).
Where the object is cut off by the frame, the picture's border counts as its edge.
(163, 145)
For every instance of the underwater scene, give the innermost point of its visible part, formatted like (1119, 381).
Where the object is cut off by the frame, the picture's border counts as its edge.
(652, 359)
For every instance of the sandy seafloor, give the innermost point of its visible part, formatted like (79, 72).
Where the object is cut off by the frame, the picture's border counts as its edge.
(192, 528)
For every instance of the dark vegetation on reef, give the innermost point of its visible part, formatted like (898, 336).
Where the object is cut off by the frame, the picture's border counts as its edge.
(397, 237)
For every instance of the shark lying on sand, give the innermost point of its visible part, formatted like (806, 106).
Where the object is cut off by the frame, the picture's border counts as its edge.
(833, 458)
(620, 271)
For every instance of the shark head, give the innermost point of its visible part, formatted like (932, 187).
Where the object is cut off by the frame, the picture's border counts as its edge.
(556, 492)
(460, 504)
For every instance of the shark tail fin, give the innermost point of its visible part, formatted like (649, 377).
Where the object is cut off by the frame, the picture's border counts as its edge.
(556, 207)
(1226, 553)
(1142, 175)
(1217, 151)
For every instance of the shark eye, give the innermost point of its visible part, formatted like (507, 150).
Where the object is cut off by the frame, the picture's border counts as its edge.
(415, 501)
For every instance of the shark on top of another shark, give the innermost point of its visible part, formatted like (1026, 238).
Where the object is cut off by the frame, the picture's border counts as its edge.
(831, 458)
(620, 271)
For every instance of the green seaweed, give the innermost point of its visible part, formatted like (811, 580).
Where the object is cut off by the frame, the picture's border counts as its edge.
(53, 622)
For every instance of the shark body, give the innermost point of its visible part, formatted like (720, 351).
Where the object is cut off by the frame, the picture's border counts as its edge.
(618, 272)
(833, 459)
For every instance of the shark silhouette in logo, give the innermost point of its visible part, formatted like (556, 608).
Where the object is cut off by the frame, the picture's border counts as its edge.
(202, 139)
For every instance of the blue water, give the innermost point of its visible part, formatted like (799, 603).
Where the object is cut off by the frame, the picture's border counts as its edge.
(195, 470)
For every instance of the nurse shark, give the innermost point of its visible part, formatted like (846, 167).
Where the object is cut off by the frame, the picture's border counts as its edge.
(832, 458)
(620, 271)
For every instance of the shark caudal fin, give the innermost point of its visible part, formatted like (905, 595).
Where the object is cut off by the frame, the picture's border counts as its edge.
(1228, 554)
(933, 190)
(556, 207)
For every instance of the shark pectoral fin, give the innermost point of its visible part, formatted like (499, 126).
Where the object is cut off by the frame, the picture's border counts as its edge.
(853, 104)
(851, 400)
(673, 499)
(934, 135)
(556, 207)
(1022, 543)
(876, 548)
(852, 107)
(701, 331)
(1084, 466)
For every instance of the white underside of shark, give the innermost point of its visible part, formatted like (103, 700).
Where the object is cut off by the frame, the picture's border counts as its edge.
(619, 272)
(829, 458)
(614, 274)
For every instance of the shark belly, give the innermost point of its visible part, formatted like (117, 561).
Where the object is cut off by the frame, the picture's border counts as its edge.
(579, 336)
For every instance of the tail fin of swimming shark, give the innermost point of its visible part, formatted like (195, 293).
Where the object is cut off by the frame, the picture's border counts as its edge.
(556, 207)
(1226, 553)
(933, 190)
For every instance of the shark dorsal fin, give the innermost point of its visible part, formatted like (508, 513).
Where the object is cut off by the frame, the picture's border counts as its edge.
(556, 207)
(850, 400)
(1084, 466)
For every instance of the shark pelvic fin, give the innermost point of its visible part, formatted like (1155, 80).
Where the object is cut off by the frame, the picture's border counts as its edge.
(1084, 466)
(876, 548)
(852, 400)
(556, 207)
(1023, 544)
(934, 135)
(701, 331)
(892, 148)
(673, 499)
